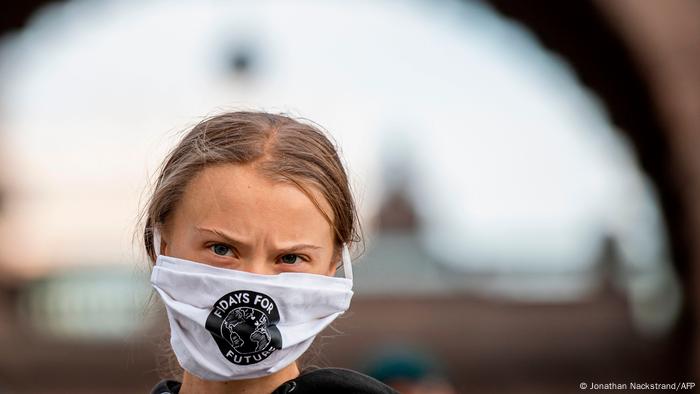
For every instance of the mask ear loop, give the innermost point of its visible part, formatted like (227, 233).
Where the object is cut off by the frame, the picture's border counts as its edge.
(347, 262)
(156, 242)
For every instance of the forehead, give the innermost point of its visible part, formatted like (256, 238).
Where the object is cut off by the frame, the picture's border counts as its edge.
(234, 195)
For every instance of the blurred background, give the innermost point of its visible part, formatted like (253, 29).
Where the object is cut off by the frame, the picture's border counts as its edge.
(527, 173)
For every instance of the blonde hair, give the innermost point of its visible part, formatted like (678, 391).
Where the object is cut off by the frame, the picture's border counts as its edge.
(281, 148)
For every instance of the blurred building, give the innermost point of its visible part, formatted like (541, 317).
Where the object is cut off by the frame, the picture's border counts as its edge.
(74, 309)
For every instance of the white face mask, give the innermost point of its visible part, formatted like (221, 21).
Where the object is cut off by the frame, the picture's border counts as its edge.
(228, 325)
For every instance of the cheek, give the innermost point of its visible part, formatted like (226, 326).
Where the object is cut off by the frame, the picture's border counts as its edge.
(326, 266)
(331, 254)
(180, 243)
(334, 262)
(331, 260)
(174, 245)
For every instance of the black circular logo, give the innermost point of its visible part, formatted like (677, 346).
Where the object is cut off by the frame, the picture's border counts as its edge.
(242, 324)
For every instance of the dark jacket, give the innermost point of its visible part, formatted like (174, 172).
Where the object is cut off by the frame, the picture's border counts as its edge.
(325, 380)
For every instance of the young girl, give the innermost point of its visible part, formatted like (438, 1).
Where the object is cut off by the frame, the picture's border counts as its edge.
(250, 218)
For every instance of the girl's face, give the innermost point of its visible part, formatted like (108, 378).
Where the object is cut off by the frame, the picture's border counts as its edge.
(232, 217)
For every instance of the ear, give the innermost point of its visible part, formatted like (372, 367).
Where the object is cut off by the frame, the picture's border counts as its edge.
(163, 246)
(164, 237)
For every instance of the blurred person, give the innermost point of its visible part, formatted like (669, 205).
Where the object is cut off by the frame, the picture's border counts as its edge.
(410, 371)
(250, 217)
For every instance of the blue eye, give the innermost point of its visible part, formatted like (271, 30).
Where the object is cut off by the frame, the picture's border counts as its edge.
(290, 258)
(220, 249)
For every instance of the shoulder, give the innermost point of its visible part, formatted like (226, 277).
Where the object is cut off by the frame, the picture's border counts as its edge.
(167, 387)
(335, 380)
(325, 380)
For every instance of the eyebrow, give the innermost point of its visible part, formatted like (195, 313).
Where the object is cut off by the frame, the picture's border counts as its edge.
(221, 234)
(233, 241)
